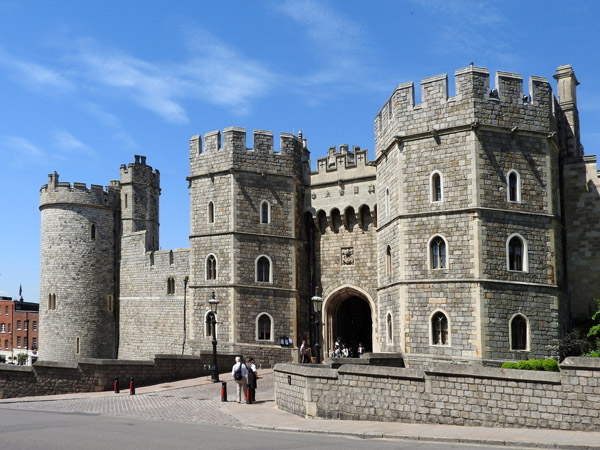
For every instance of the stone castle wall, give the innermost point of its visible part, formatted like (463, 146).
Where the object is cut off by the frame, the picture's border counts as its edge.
(445, 394)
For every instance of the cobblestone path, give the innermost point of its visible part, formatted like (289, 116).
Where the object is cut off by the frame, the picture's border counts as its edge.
(196, 404)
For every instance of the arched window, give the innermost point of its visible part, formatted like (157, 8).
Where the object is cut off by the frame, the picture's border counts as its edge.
(170, 286)
(518, 333)
(439, 329)
(437, 253)
(436, 187)
(265, 212)
(263, 269)
(264, 327)
(336, 220)
(516, 252)
(389, 329)
(51, 301)
(388, 260)
(211, 267)
(210, 212)
(513, 186)
(93, 231)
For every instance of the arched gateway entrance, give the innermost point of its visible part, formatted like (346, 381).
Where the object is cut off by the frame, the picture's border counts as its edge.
(348, 314)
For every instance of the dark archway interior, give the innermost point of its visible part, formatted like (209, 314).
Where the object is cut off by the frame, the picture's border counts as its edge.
(353, 323)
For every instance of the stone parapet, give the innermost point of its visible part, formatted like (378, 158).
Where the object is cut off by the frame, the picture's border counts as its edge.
(446, 394)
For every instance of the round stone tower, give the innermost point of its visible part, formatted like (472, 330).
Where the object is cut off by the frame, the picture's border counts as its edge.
(78, 274)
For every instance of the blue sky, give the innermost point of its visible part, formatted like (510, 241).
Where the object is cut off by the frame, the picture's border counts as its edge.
(86, 85)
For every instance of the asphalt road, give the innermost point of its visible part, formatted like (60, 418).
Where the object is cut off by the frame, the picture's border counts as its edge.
(46, 430)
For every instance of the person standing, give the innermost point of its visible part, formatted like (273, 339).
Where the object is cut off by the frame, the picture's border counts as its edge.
(252, 377)
(239, 372)
(361, 350)
(303, 354)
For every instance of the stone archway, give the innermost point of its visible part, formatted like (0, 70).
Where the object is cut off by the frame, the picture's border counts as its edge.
(348, 313)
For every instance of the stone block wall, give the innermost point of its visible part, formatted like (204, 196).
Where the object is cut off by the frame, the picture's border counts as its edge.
(94, 375)
(446, 394)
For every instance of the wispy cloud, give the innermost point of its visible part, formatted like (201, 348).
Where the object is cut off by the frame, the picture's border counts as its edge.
(33, 75)
(340, 44)
(65, 141)
(20, 152)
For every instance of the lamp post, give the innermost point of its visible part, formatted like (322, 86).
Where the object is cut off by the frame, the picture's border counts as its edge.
(185, 283)
(317, 305)
(214, 370)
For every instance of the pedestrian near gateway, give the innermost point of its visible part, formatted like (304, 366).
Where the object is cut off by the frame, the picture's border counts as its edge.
(252, 377)
(239, 372)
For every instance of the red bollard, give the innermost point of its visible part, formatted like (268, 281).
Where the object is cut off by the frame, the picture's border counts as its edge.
(248, 396)
(116, 385)
(132, 386)
(223, 391)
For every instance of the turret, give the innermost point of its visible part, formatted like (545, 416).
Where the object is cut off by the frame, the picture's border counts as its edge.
(140, 191)
(77, 283)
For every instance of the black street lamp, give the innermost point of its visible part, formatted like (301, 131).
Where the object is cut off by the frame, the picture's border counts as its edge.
(317, 305)
(214, 370)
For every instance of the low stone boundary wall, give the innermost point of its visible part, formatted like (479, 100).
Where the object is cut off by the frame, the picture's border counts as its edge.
(444, 393)
(92, 375)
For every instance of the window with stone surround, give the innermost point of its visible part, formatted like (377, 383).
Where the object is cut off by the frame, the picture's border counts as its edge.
(3, 328)
(110, 303)
(18, 324)
(35, 325)
(516, 253)
(210, 212)
(51, 301)
(436, 187)
(34, 344)
(388, 260)
(211, 267)
(263, 269)
(6, 344)
(170, 286)
(439, 329)
(437, 253)
(389, 332)
(6, 310)
(265, 212)
(518, 333)
(19, 341)
(264, 327)
(387, 202)
(513, 186)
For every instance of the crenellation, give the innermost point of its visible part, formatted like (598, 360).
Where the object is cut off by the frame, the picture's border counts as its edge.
(434, 89)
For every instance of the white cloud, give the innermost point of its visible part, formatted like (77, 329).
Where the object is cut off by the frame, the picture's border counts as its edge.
(33, 75)
(64, 140)
(20, 152)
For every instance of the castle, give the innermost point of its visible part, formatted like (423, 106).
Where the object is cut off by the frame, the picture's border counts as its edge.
(471, 236)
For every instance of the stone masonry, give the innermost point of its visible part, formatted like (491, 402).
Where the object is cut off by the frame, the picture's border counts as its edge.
(470, 236)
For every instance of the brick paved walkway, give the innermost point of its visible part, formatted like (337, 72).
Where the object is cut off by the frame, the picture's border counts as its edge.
(198, 403)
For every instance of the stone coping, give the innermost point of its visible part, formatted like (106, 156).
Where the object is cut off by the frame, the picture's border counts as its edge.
(61, 364)
(536, 376)
(307, 370)
(580, 363)
(382, 371)
(16, 368)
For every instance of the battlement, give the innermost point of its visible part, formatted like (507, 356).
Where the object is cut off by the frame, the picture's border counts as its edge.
(139, 172)
(56, 192)
(474, 102)
(229, 151)
(342, 165)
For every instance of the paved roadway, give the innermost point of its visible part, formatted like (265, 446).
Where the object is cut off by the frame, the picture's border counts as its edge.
(189, 414)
